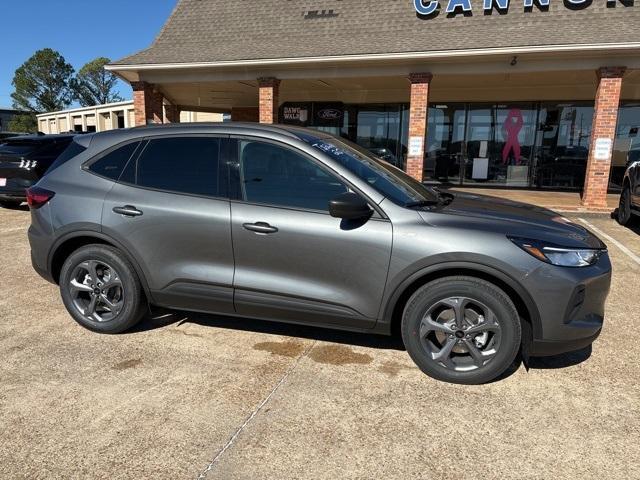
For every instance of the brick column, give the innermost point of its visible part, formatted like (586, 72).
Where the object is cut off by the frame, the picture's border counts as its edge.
(147, 104)
(418, 110)
(605, 118)
(172, 113)
(269, 88)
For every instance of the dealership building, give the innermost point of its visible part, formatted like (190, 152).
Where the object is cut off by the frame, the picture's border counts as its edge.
(540, 94)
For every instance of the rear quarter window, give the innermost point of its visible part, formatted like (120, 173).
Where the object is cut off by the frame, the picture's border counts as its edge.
(113, 163)
(71, 151)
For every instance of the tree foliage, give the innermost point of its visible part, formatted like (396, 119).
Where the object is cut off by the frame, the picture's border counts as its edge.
(94, 85)
(42, 83)
(23, 123)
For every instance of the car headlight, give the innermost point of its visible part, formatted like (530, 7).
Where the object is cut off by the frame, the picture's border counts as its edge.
(557, 255)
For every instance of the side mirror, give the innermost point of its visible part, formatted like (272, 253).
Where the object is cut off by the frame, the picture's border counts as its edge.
(349, 206)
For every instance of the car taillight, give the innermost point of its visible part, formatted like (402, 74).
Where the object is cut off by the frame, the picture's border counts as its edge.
(37, 197)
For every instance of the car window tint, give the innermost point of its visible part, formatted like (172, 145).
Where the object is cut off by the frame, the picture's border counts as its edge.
(54, 149)
(112, 164)
(279, 176)
(19, 147)
(185, 164)
(71, 151)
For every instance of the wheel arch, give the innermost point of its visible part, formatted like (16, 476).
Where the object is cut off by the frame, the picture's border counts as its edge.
(523, 302)
(69, 243)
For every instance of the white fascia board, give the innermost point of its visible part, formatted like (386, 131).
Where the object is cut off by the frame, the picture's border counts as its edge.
(386, 56)
(105, 106)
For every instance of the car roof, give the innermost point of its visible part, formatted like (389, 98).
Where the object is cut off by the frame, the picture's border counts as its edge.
(227, 128)
(38, 137)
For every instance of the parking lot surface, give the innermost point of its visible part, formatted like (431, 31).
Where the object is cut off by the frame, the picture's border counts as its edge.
(188, 396)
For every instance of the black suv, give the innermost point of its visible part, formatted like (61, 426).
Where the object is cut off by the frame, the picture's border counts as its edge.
(23, 161)
(630, 197)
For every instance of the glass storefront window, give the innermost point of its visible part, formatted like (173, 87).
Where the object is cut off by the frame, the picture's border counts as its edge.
(626, 148)
(524, 144)
(445, 139)
(564, 133)
(379, 131)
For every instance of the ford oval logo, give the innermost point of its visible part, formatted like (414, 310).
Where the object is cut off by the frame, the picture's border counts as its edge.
(329, 114)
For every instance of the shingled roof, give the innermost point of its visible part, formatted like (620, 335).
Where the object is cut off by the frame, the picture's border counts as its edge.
(223, 30)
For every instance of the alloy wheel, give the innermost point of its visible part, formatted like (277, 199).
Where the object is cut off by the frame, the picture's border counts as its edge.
(96, 291)
(460, 334)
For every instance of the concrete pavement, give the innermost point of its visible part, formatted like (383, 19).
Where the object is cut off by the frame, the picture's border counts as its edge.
(188, 396)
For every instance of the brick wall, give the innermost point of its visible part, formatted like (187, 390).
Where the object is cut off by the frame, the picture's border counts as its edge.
(268, 99)
(604, 127)
(147, 104)
(418, 110)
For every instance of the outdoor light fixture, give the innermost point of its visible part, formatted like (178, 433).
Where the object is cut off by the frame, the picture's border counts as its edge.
(514, 61)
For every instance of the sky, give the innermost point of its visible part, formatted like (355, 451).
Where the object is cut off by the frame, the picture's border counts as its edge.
(80, 30)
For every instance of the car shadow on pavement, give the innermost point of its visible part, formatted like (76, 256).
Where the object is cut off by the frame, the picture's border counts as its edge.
(633, 225)
(162, 318)
(561, 361)
(23, 207)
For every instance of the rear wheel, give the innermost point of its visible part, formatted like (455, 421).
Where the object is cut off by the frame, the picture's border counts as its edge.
(101, 290)
(625, 215)
(461, 330)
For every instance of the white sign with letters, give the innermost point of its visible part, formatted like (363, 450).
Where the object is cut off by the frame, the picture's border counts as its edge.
(602, 149)
(415, 146)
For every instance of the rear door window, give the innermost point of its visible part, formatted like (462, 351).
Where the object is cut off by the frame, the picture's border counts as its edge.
(182, 164)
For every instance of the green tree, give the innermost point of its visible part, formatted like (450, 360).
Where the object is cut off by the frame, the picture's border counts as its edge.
(93, 85)
(24, 122)
(42, 83)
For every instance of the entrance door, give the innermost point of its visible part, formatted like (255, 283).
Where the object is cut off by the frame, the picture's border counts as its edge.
(445, 143)
(293, 260)
(564, 132)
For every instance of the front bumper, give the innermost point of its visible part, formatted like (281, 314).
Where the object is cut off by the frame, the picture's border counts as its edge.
(571, 303)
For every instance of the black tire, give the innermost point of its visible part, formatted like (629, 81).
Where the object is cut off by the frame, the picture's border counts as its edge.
(122, 285)
(624, 213)
(476, 295)
(12, 204)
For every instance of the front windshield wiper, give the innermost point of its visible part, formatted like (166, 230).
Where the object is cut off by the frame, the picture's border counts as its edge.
(423, 203)
(443, 199)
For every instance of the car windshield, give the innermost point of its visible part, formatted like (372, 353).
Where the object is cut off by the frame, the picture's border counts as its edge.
(391, 182)
(18, 148)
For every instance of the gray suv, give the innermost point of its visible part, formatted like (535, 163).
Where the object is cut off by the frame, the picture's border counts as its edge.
(293, 225)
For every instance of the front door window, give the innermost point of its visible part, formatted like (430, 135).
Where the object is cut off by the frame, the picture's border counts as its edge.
(278, 176)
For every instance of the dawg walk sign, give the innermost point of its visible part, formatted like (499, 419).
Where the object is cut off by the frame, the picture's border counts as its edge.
(429, 7)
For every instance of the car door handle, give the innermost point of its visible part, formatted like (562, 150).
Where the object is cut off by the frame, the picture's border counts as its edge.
(260, 227)
(127, 211)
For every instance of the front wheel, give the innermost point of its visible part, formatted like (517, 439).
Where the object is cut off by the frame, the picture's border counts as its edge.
(101, 290)
(461, 330)
(624, 207)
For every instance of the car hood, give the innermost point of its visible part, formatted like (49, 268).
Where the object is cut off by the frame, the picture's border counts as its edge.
(519, 219)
